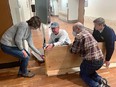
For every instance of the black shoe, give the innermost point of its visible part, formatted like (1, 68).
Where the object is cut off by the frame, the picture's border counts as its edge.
(20, 74)
(104, 82)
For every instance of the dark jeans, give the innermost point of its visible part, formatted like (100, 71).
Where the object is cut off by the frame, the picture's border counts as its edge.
(14, 51)
(88, 72)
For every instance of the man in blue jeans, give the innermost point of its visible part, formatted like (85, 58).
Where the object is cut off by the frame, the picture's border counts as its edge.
(12, 43)
(92, 56)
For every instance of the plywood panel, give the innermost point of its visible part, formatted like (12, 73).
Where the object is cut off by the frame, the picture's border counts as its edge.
(59, 60)
(113, 58)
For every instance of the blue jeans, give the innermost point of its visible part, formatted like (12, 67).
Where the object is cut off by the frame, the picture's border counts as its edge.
(88, 72)
(14, 51)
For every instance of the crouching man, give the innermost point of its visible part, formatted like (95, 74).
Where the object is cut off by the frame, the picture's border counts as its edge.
(58, 37)
(92, 56)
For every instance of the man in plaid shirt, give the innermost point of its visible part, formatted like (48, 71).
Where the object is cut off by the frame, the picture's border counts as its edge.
(92, 56)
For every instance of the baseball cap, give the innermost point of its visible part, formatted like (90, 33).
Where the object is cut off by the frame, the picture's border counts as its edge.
(54, 24)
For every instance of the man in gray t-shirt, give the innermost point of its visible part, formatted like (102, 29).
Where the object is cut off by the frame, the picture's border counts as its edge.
(58, 37)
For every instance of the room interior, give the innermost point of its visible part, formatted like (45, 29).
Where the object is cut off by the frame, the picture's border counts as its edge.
(66, 13)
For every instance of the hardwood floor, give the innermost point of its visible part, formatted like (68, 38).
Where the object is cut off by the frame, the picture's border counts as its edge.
(8, 77)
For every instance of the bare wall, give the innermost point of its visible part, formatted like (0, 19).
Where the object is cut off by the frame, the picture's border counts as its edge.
(101, 8)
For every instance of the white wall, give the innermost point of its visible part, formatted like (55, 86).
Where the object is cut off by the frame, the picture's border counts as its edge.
(73, 9)
(101, 8)
(68, 10)
(26, 10)
(62, 6)
(54, 5)
(15, 11)
(20, 10)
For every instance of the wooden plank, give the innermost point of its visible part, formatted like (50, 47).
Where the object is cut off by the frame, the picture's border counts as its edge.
(113, 58)
(73, 70)
(59, 60)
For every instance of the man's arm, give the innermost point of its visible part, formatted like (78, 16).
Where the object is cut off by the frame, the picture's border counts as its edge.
(76, 46)
(19, 35)
(110, 43)
(50, 44)
(50, 39)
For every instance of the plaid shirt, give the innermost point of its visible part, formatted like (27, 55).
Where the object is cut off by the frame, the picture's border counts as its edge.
(87, 46)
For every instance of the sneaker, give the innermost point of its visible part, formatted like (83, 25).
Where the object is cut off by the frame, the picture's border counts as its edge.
(28, 75)
(104, 82)
(101, 85)
(20, 74)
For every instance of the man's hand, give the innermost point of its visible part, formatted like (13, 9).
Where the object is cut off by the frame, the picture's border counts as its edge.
(42, 56)
(24, 53)
(49, 46)
(71, 50)
(107, 63)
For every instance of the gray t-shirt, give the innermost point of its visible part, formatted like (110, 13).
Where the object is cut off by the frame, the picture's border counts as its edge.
(61, 38)
(16, 34)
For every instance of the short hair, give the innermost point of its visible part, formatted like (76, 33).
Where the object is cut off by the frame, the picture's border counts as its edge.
(34, 22)
(99, 21)
(78, 25)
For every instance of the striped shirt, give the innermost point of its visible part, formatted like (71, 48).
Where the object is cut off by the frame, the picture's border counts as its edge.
(87, 46)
